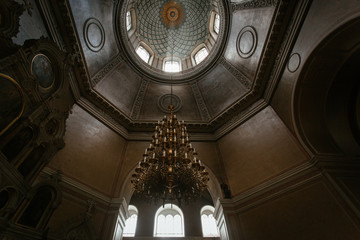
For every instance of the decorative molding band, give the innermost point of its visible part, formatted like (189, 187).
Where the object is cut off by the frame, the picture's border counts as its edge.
(237, 73)
(51, 23)
(253, 4)
(275, 187)
(205, 116)
(106, 69)
(88, 34)
(73, 85)
(82, 189)
(240, 118)
(135, 111)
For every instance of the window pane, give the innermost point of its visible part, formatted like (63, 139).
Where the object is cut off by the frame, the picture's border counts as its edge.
(216, 23)
(161, 225)
(172, 66)
(208, 223)
(143, 54)
(130, 226)
(201, 55)
(177, 225)
(171, 225)
(128, 21)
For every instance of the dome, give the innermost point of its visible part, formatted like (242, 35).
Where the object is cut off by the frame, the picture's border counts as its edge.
(180, 38)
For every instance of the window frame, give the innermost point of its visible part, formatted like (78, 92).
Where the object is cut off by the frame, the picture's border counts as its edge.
(196, 51)
(208, 211)
(132, 211)
(173, 210)
(172, 59)
(148, 50)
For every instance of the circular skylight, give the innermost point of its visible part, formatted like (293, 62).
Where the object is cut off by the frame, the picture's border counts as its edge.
(172, 37)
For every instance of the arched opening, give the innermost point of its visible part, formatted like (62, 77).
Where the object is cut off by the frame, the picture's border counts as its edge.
(36, 209)
(208, 222)
(169, 222)
(326, 97)
(130, 224)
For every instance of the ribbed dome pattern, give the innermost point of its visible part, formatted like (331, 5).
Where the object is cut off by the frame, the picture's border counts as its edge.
(180, 41)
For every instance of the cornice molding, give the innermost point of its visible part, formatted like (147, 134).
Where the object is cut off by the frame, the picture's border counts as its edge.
(106, 69)
(245, 81)
(83, 190)
(290, 180)
(294, 27)
(253, 4)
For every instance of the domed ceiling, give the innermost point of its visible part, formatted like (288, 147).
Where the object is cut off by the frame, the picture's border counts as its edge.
(173, 27)
(171, 30)
(234, 81)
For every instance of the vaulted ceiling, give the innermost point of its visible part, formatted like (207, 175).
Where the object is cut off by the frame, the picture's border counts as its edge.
(237, 79)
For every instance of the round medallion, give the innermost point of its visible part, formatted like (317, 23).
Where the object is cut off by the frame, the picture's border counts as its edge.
(246, 42)
(42, 69)
(294, 62)
(94, 34)
(51, 127)
(166, 100)
(172, 14)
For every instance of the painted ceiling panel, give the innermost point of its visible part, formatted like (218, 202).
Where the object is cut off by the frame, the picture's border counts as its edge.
(180, 40)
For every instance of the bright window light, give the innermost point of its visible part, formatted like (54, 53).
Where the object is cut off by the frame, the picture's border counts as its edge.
(201, 55)
(216, 23)
(171, 66)
(128, 20)
(143, 53)
(130, 224)
(208, 222)
(169, 222)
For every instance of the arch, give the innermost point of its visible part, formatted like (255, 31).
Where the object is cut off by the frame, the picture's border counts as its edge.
(169, 221)
(326, 95)
(213, 185)
(208, 222)
(38, 206)
(131, 222)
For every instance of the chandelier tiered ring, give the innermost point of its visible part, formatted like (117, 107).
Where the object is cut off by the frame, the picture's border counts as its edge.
(170, 169)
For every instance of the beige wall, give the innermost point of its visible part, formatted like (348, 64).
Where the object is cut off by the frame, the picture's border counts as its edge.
(257, 150)
(309, 212)
(92, 152)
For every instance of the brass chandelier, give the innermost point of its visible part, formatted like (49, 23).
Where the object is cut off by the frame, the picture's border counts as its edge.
(170, 169)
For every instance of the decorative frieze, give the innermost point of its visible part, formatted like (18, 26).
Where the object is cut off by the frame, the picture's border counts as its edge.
(205, 116)
(139, 99)
(236, 73)
(253, 4)
(105, 70)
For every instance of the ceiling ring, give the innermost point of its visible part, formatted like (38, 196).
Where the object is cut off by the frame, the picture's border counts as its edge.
(93, 29)
(246, 42)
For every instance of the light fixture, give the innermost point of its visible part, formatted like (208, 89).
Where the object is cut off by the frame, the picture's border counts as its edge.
(170, 169)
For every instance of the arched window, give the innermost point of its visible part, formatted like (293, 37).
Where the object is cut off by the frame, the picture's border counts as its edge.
(172, 65)
(216, 23)
(130, 224)
(208, 222)
(128, 20)
(143, 53)
(169, 222)
(201, 55)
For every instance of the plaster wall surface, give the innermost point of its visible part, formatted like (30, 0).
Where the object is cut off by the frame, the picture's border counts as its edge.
(257, 150)
(310, 212)
(92, 152)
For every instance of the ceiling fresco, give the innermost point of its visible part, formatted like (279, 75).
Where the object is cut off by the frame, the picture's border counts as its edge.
(165, 33)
